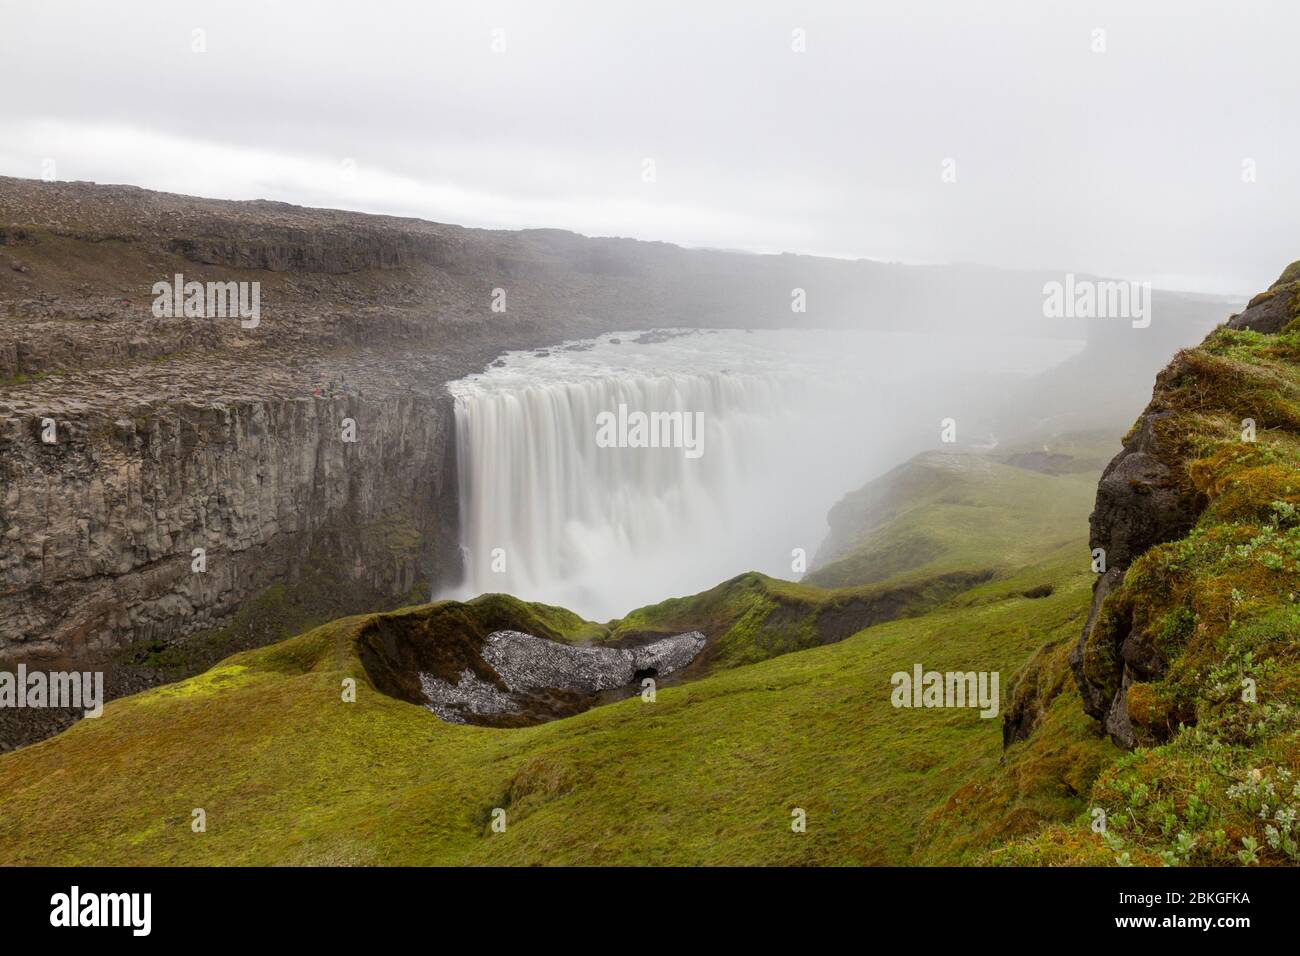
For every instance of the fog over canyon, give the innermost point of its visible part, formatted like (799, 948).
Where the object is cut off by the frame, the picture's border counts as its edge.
(791, 422)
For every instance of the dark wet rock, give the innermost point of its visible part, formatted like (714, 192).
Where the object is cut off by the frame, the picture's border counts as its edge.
(1142, 659)
(1140, 503)
(1096, 700)
(1117, 722)
(1267, 312)
(1273, 309)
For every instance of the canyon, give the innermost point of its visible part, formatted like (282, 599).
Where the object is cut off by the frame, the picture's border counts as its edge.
(180, 434)
(1123, 689)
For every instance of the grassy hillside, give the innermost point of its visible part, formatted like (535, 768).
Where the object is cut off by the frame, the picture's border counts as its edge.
(754, 617)
(927, 531)
(943, 512)
(709, 773)
(287, 772)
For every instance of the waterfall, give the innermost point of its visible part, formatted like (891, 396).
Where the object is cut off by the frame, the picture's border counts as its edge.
(548, 514)
(790, 422)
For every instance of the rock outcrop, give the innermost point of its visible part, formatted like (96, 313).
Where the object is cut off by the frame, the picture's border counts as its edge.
(1149, 495)
(1140, 503)
(1274, 308)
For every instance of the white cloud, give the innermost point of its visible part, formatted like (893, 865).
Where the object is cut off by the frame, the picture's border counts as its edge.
(1125, 163)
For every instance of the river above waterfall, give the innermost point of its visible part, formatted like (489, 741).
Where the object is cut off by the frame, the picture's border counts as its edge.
(607, 474)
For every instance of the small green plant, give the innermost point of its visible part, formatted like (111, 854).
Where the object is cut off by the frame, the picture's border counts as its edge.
(1273, 799)
(1249, 852)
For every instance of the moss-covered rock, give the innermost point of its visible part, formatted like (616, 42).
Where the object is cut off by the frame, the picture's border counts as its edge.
(1189, 655)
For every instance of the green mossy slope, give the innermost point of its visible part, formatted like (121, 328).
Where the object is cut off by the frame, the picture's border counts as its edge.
(709, 773)
(754, 617)
(943, 512)
(929, 530)
(287, 772)
(1215, 777)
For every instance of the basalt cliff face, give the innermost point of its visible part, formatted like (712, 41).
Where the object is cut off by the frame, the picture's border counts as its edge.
(161, 518)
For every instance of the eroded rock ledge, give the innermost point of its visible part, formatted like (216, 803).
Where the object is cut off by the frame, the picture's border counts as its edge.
(1140, 503)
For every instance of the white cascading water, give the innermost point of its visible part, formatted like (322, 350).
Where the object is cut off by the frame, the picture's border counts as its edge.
(791, 422)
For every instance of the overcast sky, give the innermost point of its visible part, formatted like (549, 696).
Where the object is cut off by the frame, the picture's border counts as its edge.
(1135, 160)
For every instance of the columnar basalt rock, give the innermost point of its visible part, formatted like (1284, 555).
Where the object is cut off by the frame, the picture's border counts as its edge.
(101, 527)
